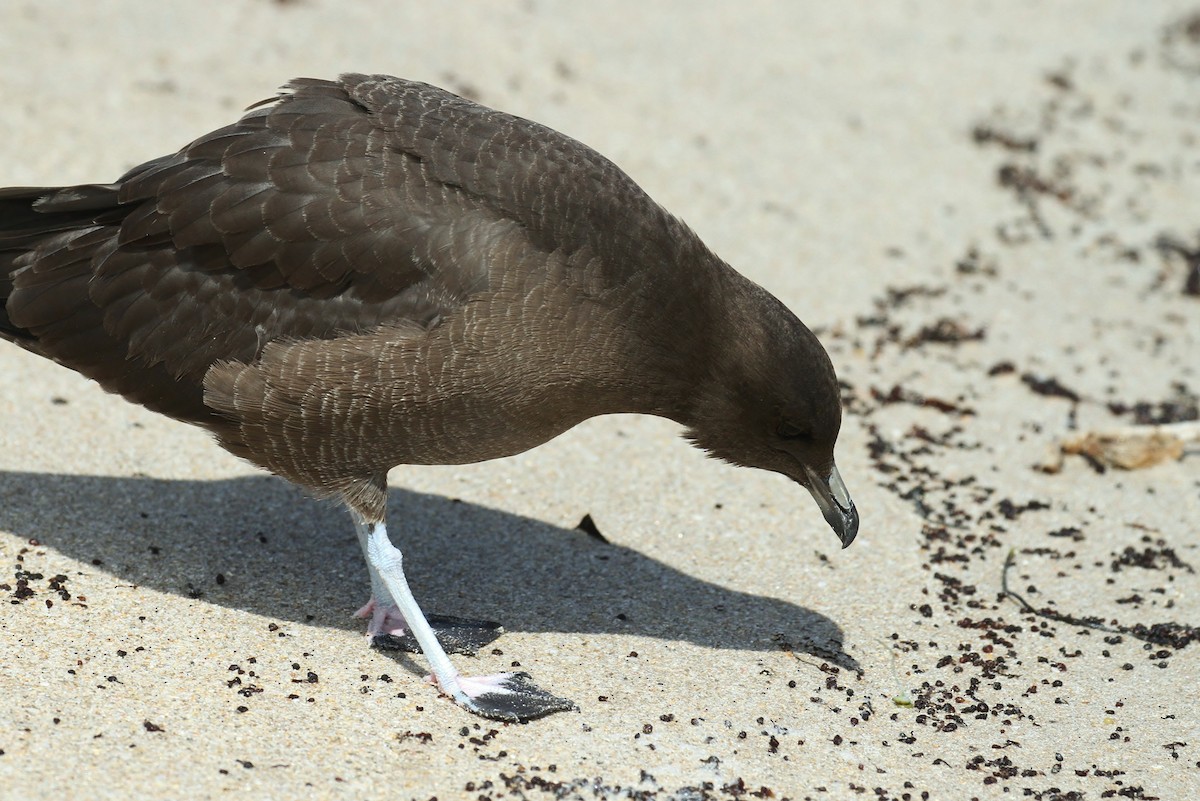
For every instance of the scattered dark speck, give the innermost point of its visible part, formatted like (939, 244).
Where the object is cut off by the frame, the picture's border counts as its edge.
(985, 134)
(1049, 387)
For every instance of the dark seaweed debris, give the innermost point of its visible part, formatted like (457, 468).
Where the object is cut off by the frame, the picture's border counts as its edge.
(1182, 407)
(1191, 258)
(1050, 387)
(527, 786)
(23, 586)
(1172, 635)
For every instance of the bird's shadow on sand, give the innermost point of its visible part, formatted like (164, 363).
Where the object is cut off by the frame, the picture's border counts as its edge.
(257, 543)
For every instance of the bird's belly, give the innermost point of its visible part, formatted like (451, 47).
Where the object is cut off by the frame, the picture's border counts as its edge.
(467, 435)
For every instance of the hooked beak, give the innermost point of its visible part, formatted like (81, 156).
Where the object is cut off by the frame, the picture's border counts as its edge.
(830, 494)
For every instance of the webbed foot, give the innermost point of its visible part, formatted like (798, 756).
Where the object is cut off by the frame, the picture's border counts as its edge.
(511, 697)
(458, 635)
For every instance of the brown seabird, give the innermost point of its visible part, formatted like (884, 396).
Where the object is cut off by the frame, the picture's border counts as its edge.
(369, 272)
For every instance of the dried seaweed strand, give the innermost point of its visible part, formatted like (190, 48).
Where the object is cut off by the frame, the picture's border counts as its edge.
(1071, 620)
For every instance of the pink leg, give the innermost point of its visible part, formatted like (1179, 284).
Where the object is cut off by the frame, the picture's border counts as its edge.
(503, 696)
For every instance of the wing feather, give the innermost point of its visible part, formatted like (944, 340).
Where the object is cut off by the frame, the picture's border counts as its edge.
(334, 208)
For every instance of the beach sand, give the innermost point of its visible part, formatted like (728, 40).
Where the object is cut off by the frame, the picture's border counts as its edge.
(987, 211)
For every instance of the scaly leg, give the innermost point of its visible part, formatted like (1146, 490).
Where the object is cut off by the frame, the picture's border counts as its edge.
(381, 609)
(504, 696)
(387, 629)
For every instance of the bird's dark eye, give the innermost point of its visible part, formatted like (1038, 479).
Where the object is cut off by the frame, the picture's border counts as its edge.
(791, 431)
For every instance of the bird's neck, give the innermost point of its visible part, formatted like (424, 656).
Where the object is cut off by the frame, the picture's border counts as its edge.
(681, 340)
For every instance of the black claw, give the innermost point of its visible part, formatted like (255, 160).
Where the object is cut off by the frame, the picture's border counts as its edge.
(458, 635)
(522, 700)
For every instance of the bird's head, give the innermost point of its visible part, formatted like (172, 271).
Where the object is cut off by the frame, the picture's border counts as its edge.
(772, 401)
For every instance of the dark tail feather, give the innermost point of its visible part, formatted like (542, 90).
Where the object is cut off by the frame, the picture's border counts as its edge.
(49, 238)
(28, 214)
(7, 329)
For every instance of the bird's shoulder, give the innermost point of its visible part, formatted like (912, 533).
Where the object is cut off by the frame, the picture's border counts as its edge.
(376, 184)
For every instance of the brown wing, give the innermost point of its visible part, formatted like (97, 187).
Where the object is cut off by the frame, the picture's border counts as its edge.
(334, 208)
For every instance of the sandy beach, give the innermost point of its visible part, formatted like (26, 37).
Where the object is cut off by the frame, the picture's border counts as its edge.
(988, 212)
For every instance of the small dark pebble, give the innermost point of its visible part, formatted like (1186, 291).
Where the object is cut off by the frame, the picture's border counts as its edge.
(588, 526)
